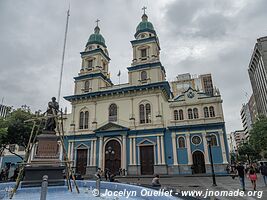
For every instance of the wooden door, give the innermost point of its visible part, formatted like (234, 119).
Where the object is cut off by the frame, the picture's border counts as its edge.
(147, 160)
(81, 161)
(113, 156)
(198, 162)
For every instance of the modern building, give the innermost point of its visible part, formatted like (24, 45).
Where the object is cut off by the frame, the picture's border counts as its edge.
(258, 75)
(4, 110)
(239, 138)
(141, 127)
(246, 120)
(201, 83)
(253, 109)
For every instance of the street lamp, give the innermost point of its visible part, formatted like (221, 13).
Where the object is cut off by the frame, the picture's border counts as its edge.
(208, 137)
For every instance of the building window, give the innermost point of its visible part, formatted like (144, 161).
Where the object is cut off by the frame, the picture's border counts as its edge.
(145, 113)
(143, 75)
(195, 111)
(181, 115)
(190, 113)
(212, 112)
(143, 53)
(206, 112)
(90, 64)
(175, 114)
(196, 140)
(113, 111)
(213, 141)
(86, 120)
(142, 113)
(86, 86)
(181, 142)
(81, 120)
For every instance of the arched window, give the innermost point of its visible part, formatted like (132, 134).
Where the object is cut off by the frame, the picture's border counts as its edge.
(81, 120)
(143, 53)
(195, 111)
(213, 141)
(86, 86)
(142, 114)
(190, 113)
(143, 75)
(112, 113)
(86, 119)
(175, 115)
(145, 113)
(206, 112)
(212, 113)
(181, 142)
(181, 115)
(148, 113)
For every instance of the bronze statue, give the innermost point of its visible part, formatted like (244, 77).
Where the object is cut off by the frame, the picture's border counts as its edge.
(51, 110)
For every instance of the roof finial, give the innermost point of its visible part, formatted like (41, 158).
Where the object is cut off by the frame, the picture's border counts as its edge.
(144, 9)
(97, 22)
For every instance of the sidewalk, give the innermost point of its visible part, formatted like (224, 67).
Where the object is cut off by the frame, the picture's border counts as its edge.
(204, 183)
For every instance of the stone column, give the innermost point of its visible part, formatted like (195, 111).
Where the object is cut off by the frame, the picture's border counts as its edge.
(158, 150)
(174, 149)
(100, 159)
(223, 147)
(134, 151)
(206, 150)
(61, 152)
(124, 152)
(92, 153)
(131, 151)
(188, 144)
(162, 150)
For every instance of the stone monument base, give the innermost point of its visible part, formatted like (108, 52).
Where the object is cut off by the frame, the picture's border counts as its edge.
(34, 176)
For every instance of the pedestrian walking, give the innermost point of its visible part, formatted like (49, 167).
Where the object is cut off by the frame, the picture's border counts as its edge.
(253, 178)
(241, 173)
(263, 170)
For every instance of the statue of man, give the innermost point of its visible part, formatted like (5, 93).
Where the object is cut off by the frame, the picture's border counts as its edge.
(51, 110)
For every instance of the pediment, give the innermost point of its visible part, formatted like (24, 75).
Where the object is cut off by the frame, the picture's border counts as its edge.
(146, 142)
(111, 127)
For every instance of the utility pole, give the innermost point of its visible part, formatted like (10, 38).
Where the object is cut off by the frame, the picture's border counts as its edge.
(63, 55)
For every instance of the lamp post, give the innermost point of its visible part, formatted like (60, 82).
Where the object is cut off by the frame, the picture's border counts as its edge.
(208, 137)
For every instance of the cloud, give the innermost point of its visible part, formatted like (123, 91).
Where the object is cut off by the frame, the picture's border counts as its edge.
(196, 36)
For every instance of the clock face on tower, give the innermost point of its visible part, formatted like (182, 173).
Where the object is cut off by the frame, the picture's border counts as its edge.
(190, 94)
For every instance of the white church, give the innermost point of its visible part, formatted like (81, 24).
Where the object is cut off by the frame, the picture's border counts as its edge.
(140, 127)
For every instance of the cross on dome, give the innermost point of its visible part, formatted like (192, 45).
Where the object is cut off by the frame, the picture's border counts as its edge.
(144, 9)
(97, 22)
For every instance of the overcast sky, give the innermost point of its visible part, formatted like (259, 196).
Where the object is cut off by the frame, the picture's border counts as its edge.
(196, 36)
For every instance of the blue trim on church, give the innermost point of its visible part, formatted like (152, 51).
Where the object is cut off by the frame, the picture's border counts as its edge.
(163, 85)
(98, 50)
(148, 65)
(82, 77)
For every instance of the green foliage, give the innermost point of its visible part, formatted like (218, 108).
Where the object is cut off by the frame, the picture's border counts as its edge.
(258, 135)
(247, 150)
(14, 130)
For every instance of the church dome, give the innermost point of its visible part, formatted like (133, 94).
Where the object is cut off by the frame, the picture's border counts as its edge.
(145, 26)
(96, 38)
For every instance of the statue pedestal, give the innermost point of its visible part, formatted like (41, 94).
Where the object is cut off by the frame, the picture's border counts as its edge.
(45, 162)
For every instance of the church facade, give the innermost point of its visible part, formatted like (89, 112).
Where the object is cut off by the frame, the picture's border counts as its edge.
(139, 127)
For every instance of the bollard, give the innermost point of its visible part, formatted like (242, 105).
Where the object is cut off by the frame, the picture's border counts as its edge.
(97, 187)
(44, 187)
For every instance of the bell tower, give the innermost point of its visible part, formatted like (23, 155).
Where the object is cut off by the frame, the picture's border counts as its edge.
(146, 66)
(94, 72)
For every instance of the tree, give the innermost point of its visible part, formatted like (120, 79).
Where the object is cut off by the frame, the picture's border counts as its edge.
(258, 135)
(14, 130)
(246, 149)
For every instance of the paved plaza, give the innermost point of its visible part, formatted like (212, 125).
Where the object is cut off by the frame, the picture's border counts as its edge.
(191, 183)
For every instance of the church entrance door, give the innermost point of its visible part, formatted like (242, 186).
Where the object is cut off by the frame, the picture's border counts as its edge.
(113, 156)
(147, 160)
(81, 161)
(198, 163)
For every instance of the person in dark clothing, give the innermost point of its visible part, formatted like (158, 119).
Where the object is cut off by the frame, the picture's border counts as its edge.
(263, 170)
(241, 173)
